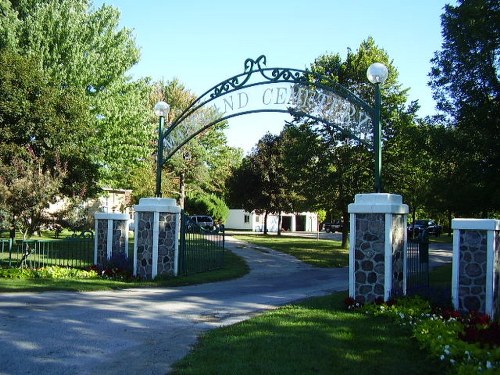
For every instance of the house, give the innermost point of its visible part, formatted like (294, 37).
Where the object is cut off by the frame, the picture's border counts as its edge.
(294, 222)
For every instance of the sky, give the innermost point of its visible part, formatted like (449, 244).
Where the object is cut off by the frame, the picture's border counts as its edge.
(202, 42)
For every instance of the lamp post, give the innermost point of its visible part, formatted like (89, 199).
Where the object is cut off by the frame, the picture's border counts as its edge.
(161, 110)
(377, 74)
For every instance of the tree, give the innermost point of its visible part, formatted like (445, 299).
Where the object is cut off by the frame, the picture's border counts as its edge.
(52, 123)
(465, 81)
(347, 166)
(83, 49)
(261, 183)
(203, 165)
(27, 186)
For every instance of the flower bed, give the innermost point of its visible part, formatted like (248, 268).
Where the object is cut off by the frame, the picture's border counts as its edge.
(469, 343)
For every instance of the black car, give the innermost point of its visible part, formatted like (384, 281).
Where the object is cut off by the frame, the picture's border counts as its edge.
(335, 226)
(417, 227)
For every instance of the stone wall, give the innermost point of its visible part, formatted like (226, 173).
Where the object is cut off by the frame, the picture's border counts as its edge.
(111, 240)
(119, 239)
(369, 257)
(101, 242)
(156, 233)
(166, 243)
(398, 254)
(472, 270)
(144, 242)
(476, 265)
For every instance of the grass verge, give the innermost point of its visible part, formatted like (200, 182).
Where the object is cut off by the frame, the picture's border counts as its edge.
(234, 267)
(316, 336)
(323, 253)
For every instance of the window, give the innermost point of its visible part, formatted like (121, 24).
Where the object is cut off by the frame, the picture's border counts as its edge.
(247, 218)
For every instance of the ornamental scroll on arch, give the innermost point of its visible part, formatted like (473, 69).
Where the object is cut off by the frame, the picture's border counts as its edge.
(280, 90)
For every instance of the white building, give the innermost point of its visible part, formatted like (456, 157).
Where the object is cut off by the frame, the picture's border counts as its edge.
(243, 220)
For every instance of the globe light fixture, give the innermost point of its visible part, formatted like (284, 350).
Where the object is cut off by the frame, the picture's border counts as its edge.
(377, 73)
(161, 109)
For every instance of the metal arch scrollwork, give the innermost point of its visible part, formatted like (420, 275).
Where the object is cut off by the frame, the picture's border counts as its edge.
(299, 92)
(252, 66)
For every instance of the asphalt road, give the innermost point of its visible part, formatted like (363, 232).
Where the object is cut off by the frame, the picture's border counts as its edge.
(145, 330)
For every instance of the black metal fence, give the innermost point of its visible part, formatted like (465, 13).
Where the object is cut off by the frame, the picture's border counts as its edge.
(417, 263)
(74, 252)
(201, 248)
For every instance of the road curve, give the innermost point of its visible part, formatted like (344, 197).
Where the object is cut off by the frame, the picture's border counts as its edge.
(146, 330)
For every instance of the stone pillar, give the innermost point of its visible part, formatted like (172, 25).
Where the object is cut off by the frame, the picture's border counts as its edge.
(111, 237)
(156, 247)
(476, 265)
(377, 255)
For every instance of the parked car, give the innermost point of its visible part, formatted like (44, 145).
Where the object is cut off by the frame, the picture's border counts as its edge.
(334, 226)
(203, 221)
(417, 227)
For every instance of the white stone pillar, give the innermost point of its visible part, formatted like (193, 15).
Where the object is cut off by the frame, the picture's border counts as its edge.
(111, 236)
(377, 255)
(293, 223)
(476, 265)
(157, 228)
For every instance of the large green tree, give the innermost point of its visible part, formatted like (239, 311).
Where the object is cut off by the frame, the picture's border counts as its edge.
(51, 122)
(347, 166)
(465, 79)
(203, 165)
(82, 48)
(261, 182)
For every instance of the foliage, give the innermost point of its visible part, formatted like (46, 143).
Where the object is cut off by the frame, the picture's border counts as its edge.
(261, 182)
(466, 85)
(51, 272)
(208, 205)
(26, 188)
(340, 167)
(202, 166)
(38, 117)
(16, 279)
(83, 51)
(468, 342)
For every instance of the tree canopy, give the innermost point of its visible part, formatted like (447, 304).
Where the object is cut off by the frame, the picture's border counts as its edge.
(465, 80)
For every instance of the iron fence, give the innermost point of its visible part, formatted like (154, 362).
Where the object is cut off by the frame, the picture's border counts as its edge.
(201, 248)
(74, 252)
(417, 263)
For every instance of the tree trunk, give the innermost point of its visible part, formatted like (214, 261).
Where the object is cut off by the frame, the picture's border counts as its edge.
(279, 223)
(265, 222)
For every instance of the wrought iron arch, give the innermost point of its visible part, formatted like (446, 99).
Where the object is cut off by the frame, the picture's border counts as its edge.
(307, 94)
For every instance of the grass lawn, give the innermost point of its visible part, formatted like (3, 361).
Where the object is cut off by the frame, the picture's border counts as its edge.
(316, 336)
(234, 267)
(322, 253)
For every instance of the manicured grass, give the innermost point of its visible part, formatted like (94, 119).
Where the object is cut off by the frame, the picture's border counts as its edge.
(444, 238)
(234, 267)
(316, 336)
(323, 253)
(441, 276)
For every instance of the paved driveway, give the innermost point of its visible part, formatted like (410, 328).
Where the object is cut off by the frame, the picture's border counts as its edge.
(144, 331)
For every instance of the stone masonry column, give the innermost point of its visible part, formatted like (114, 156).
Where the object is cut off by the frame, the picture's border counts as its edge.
(377, 255)
(156, 247)
(476, 266)
(111, 237)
